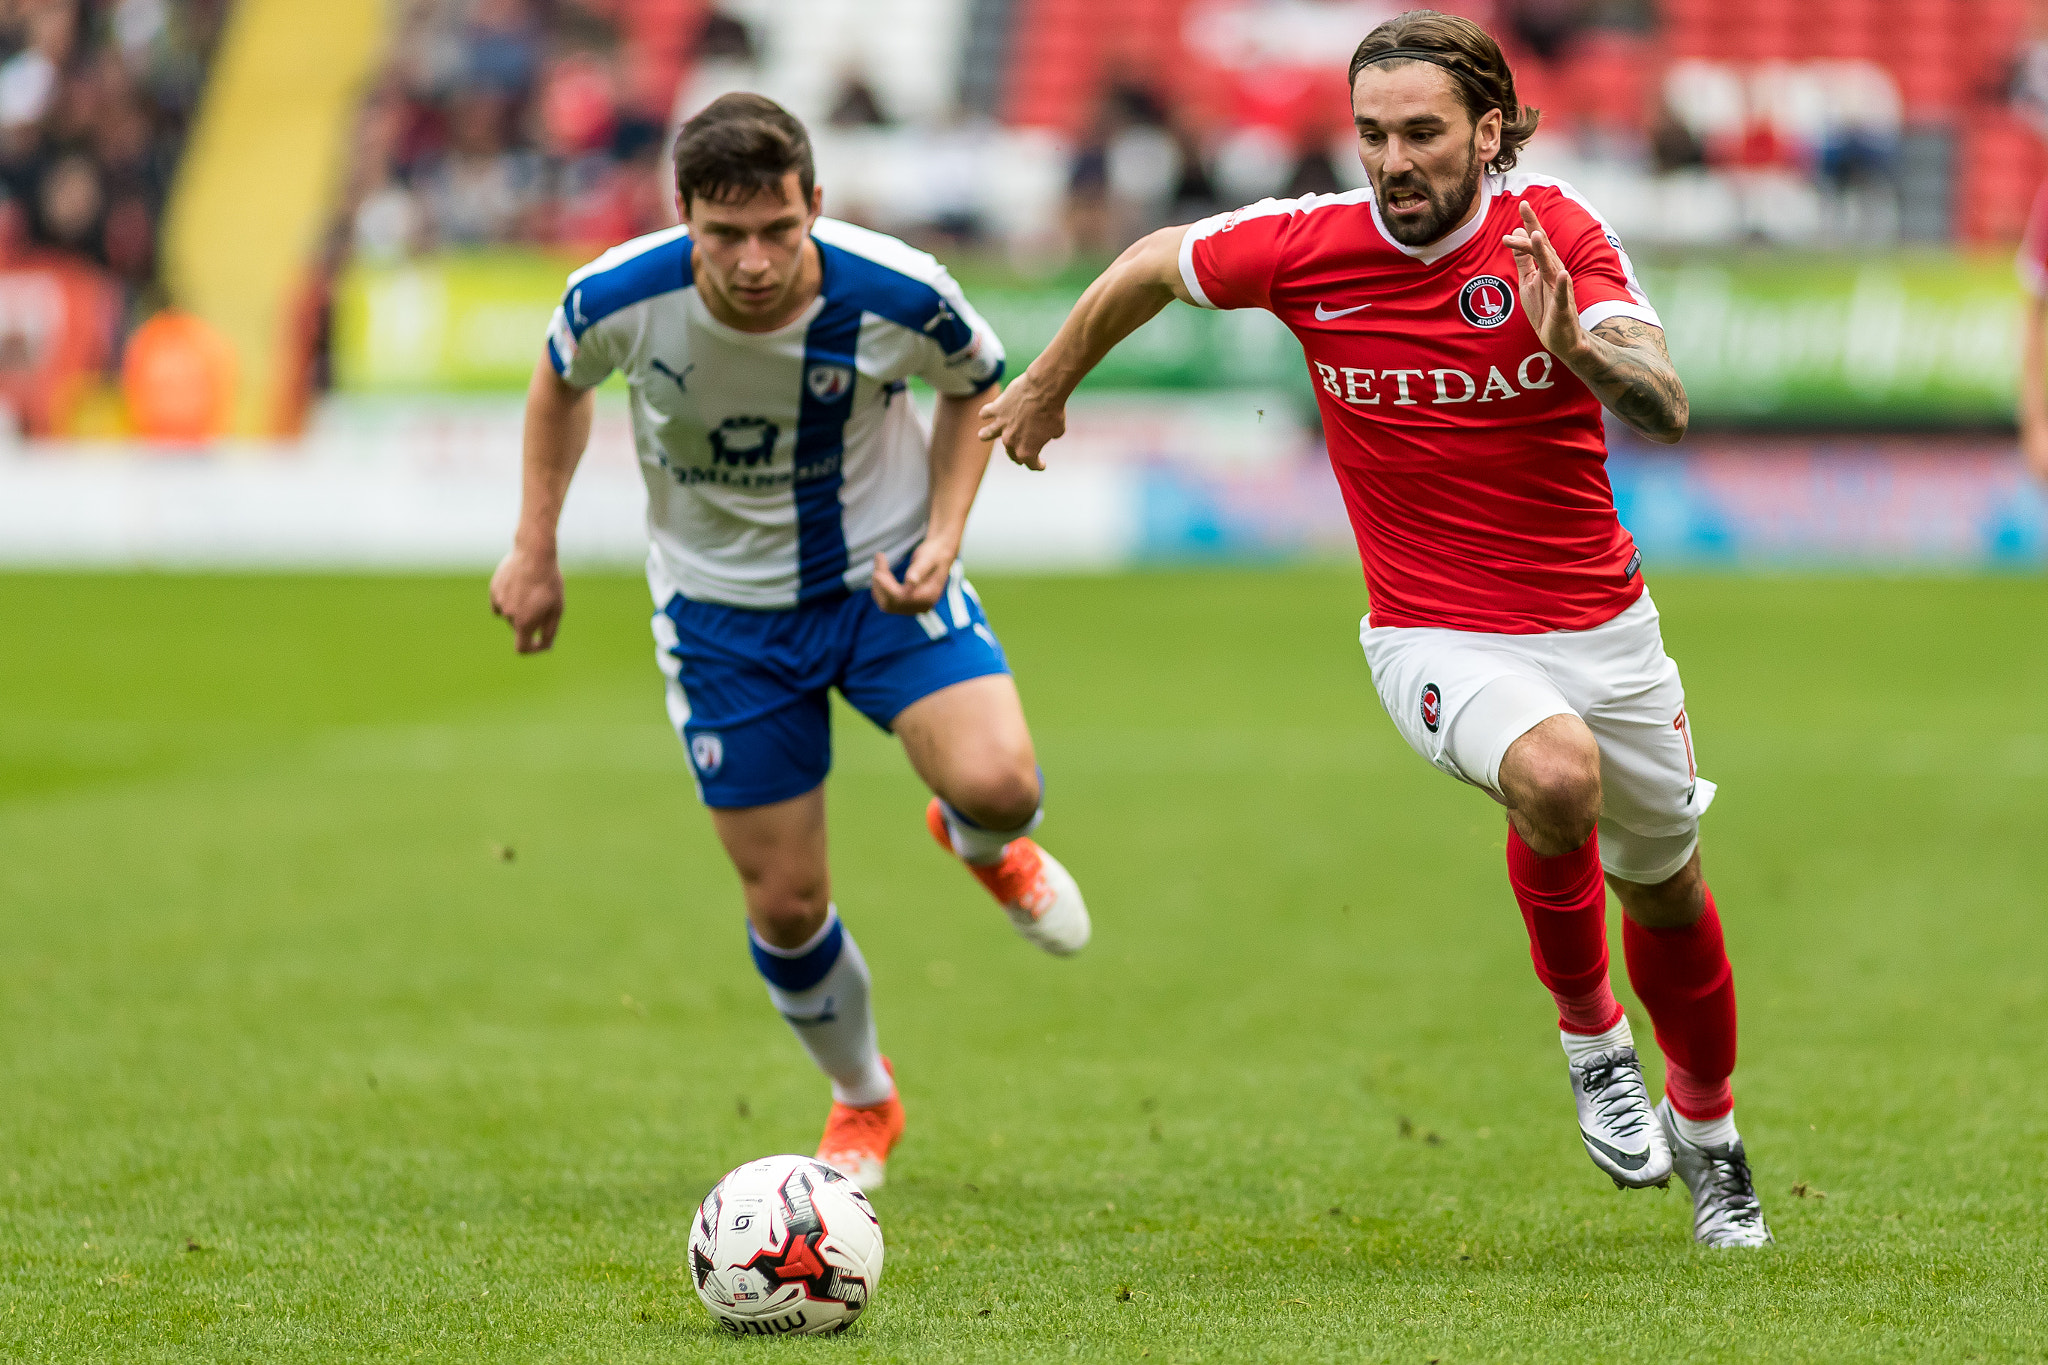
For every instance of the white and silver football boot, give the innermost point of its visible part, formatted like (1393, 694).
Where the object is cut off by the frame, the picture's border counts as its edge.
(1621, 1132)
(1725, 1211)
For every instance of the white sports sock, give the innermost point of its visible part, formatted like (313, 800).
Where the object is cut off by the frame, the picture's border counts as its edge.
(1579, 1046)
(984, 847)
(1707, 1132)
(822, 989)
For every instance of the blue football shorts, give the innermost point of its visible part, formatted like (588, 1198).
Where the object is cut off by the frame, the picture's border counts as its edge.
(748, 690)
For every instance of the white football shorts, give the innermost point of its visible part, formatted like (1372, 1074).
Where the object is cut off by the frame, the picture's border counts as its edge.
(1460, 698)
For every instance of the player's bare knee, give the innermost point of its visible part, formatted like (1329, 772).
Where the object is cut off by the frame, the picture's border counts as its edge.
(1673, 903)
(1551, 778)
(999, 805)
(1571, 802)
(789, 922)
(998, 795)
(786, 911)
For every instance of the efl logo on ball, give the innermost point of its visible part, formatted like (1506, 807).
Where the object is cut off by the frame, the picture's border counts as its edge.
(1432, 707)
(1486, 301)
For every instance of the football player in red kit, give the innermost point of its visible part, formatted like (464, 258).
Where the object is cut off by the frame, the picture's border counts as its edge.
(1464, 323)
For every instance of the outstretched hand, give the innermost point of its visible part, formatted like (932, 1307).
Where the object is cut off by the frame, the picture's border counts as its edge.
(1024, 418)
(1546, 287)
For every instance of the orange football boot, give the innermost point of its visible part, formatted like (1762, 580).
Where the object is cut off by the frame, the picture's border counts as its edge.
(1039, 895)
(857, 1141)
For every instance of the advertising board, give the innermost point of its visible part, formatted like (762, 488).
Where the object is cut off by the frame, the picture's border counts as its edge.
(1769, 339)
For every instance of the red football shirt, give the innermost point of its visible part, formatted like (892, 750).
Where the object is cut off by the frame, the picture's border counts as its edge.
(1473, 463)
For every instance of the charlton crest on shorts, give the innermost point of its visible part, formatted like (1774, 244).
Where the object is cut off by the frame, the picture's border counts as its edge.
(1432, 708)
(827, 382)
(1486, 301)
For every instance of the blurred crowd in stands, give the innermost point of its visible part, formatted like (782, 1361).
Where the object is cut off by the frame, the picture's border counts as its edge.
(1042, 130)
(537, 121)
(1691, 122)
(96, 99)
(505, 121)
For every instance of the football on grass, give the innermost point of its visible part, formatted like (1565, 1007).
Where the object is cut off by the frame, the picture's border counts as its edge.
(785, 1244)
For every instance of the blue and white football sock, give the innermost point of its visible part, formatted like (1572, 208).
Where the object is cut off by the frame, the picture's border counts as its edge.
(822, 989)
(984, 847)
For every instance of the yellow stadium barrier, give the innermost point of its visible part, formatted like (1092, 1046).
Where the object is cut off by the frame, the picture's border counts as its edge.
(259, 181)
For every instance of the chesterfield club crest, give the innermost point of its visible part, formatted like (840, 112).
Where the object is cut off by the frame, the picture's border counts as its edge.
(828, 383)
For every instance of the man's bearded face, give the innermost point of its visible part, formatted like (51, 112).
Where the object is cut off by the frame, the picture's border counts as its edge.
(1419, 206)
(1421, 148)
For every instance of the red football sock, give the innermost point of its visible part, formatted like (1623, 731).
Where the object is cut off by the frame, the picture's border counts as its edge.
(1686, 984)
(1564, 905)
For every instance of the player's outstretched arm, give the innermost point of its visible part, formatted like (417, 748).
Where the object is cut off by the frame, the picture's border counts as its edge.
(959, 458)
(1033, 410)
(527, 588)
(1622, 360)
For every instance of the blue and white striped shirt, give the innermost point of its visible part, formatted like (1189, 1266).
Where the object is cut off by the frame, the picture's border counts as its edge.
(777, 463)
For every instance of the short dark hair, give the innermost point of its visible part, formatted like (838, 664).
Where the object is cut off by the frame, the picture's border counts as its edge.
(740, 145)
(1476, 65)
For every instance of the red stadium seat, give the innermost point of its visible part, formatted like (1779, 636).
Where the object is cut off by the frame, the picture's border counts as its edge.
(661, 38)
(2003, 164)
(1056, 64)
(1613, 79)
(1947, 57)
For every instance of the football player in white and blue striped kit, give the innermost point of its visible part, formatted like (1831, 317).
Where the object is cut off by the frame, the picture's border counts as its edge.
(804, 528)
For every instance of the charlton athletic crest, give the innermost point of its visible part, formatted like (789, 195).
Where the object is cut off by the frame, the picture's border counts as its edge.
(828, 383)
(1486, 301)
(1432, 707)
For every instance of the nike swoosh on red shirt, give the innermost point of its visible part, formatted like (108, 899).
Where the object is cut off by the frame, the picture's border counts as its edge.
(1325, 314)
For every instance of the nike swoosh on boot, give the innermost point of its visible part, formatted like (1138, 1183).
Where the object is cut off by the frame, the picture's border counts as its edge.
(1628, 1161)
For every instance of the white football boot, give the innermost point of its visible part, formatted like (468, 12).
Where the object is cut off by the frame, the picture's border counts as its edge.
(1041, 897)
(1620, 1131)
(1725, 1211)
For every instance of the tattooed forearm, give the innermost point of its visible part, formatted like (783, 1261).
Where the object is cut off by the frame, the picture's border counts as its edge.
(1625, 363)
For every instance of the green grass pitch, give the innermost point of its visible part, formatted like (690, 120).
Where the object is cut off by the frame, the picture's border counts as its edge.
(371, 994)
